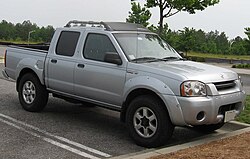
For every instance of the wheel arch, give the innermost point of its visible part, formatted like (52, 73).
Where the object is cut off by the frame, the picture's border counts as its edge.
(136, 93)
(22, 73)
(30, 65)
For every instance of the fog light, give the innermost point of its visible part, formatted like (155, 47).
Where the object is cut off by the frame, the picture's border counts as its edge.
(200, 116)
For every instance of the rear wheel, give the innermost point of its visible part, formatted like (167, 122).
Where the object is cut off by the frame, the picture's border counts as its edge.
(33, 96)
(148, 122)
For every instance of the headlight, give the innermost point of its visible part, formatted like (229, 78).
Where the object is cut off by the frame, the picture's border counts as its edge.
(240, 80)
(193, 89)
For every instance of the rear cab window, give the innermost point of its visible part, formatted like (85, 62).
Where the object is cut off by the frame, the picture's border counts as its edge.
(67, 42)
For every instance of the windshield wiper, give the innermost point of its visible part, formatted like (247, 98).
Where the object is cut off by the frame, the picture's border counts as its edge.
(153, 59)
(171, 58)
(145, 59)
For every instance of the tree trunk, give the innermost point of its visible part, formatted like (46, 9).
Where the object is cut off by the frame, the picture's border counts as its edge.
(161, 21)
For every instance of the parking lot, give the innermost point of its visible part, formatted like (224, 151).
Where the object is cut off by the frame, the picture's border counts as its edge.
(66, 130)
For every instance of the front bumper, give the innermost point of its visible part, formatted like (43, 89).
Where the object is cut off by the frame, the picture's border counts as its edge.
(210, 109)
(5, 75)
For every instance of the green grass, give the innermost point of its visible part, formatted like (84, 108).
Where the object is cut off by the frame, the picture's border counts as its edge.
(207, 55)
(245, 115)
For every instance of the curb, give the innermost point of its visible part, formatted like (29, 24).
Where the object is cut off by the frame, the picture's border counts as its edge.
(155, 152)
(244, 74)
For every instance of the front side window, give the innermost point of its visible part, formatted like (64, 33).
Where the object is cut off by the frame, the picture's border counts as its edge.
(96, 46)
(142, 46)
(67, 42)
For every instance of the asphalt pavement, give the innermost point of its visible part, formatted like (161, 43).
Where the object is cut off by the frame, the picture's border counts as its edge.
(2, 50)
(65, 130)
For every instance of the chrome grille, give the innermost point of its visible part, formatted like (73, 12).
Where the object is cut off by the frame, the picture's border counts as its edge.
(225, 85)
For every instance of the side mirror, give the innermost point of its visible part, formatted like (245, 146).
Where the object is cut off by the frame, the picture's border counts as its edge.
(112, 57)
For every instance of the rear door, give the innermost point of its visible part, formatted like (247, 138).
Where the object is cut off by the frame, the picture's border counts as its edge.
(61, 62)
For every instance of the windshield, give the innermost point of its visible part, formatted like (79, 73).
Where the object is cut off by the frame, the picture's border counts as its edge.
(141, 46)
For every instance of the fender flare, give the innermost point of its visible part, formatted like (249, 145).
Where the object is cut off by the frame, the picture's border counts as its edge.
(161, 90)
(37, 66)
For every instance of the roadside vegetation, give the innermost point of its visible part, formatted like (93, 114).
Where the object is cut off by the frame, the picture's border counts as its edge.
(245, 115)
(24, 32)
(219, 56)
(245, 66)
(189, 39)
(197, 45)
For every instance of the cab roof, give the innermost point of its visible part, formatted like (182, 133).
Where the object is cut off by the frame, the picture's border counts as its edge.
(109, 26)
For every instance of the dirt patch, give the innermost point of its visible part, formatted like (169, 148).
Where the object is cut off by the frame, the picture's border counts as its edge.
(237, 147)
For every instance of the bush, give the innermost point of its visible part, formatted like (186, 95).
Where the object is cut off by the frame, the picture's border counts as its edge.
(247, 66)
(200, 59)
(197, 59)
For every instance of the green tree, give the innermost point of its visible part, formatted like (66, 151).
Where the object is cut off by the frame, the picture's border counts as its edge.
(211, 41)
(238, 46)
(187, 39)
(24, 29)
(6, 30)
(222, 43)
(200, 41)
(247, 32)
(139, 15)
(20, 32)
(168, 8)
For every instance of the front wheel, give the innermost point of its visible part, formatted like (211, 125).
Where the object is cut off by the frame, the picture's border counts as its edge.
(33, 96)
(148, 122)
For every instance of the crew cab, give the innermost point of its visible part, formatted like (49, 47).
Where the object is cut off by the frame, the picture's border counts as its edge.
(126, 68)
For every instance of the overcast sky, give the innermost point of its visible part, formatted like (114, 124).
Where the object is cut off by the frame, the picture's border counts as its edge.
(230, 16)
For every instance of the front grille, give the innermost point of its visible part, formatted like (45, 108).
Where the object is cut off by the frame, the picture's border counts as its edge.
(224, 85)
(225, 108)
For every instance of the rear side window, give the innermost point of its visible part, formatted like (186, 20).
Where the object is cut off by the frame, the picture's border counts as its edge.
(67, 42)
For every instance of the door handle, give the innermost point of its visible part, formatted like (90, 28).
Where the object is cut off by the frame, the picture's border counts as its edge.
(81, 65)
(54, 61)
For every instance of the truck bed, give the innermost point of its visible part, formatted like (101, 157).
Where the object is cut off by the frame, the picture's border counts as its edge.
(18, 56)
(37, 47)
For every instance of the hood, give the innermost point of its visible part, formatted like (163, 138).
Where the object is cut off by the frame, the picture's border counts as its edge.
(192, 71)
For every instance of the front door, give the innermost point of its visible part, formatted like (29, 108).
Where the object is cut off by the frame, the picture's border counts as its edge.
(98, 80)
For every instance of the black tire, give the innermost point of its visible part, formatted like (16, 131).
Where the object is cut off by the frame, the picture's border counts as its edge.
(32, 95)
(161, 122)
(209, 128)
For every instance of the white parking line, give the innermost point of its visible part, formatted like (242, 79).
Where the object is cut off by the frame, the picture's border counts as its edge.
(54, 136)
(57, 137)
(51, 141)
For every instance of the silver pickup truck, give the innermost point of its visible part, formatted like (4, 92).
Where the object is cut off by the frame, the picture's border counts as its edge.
(127, 68)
